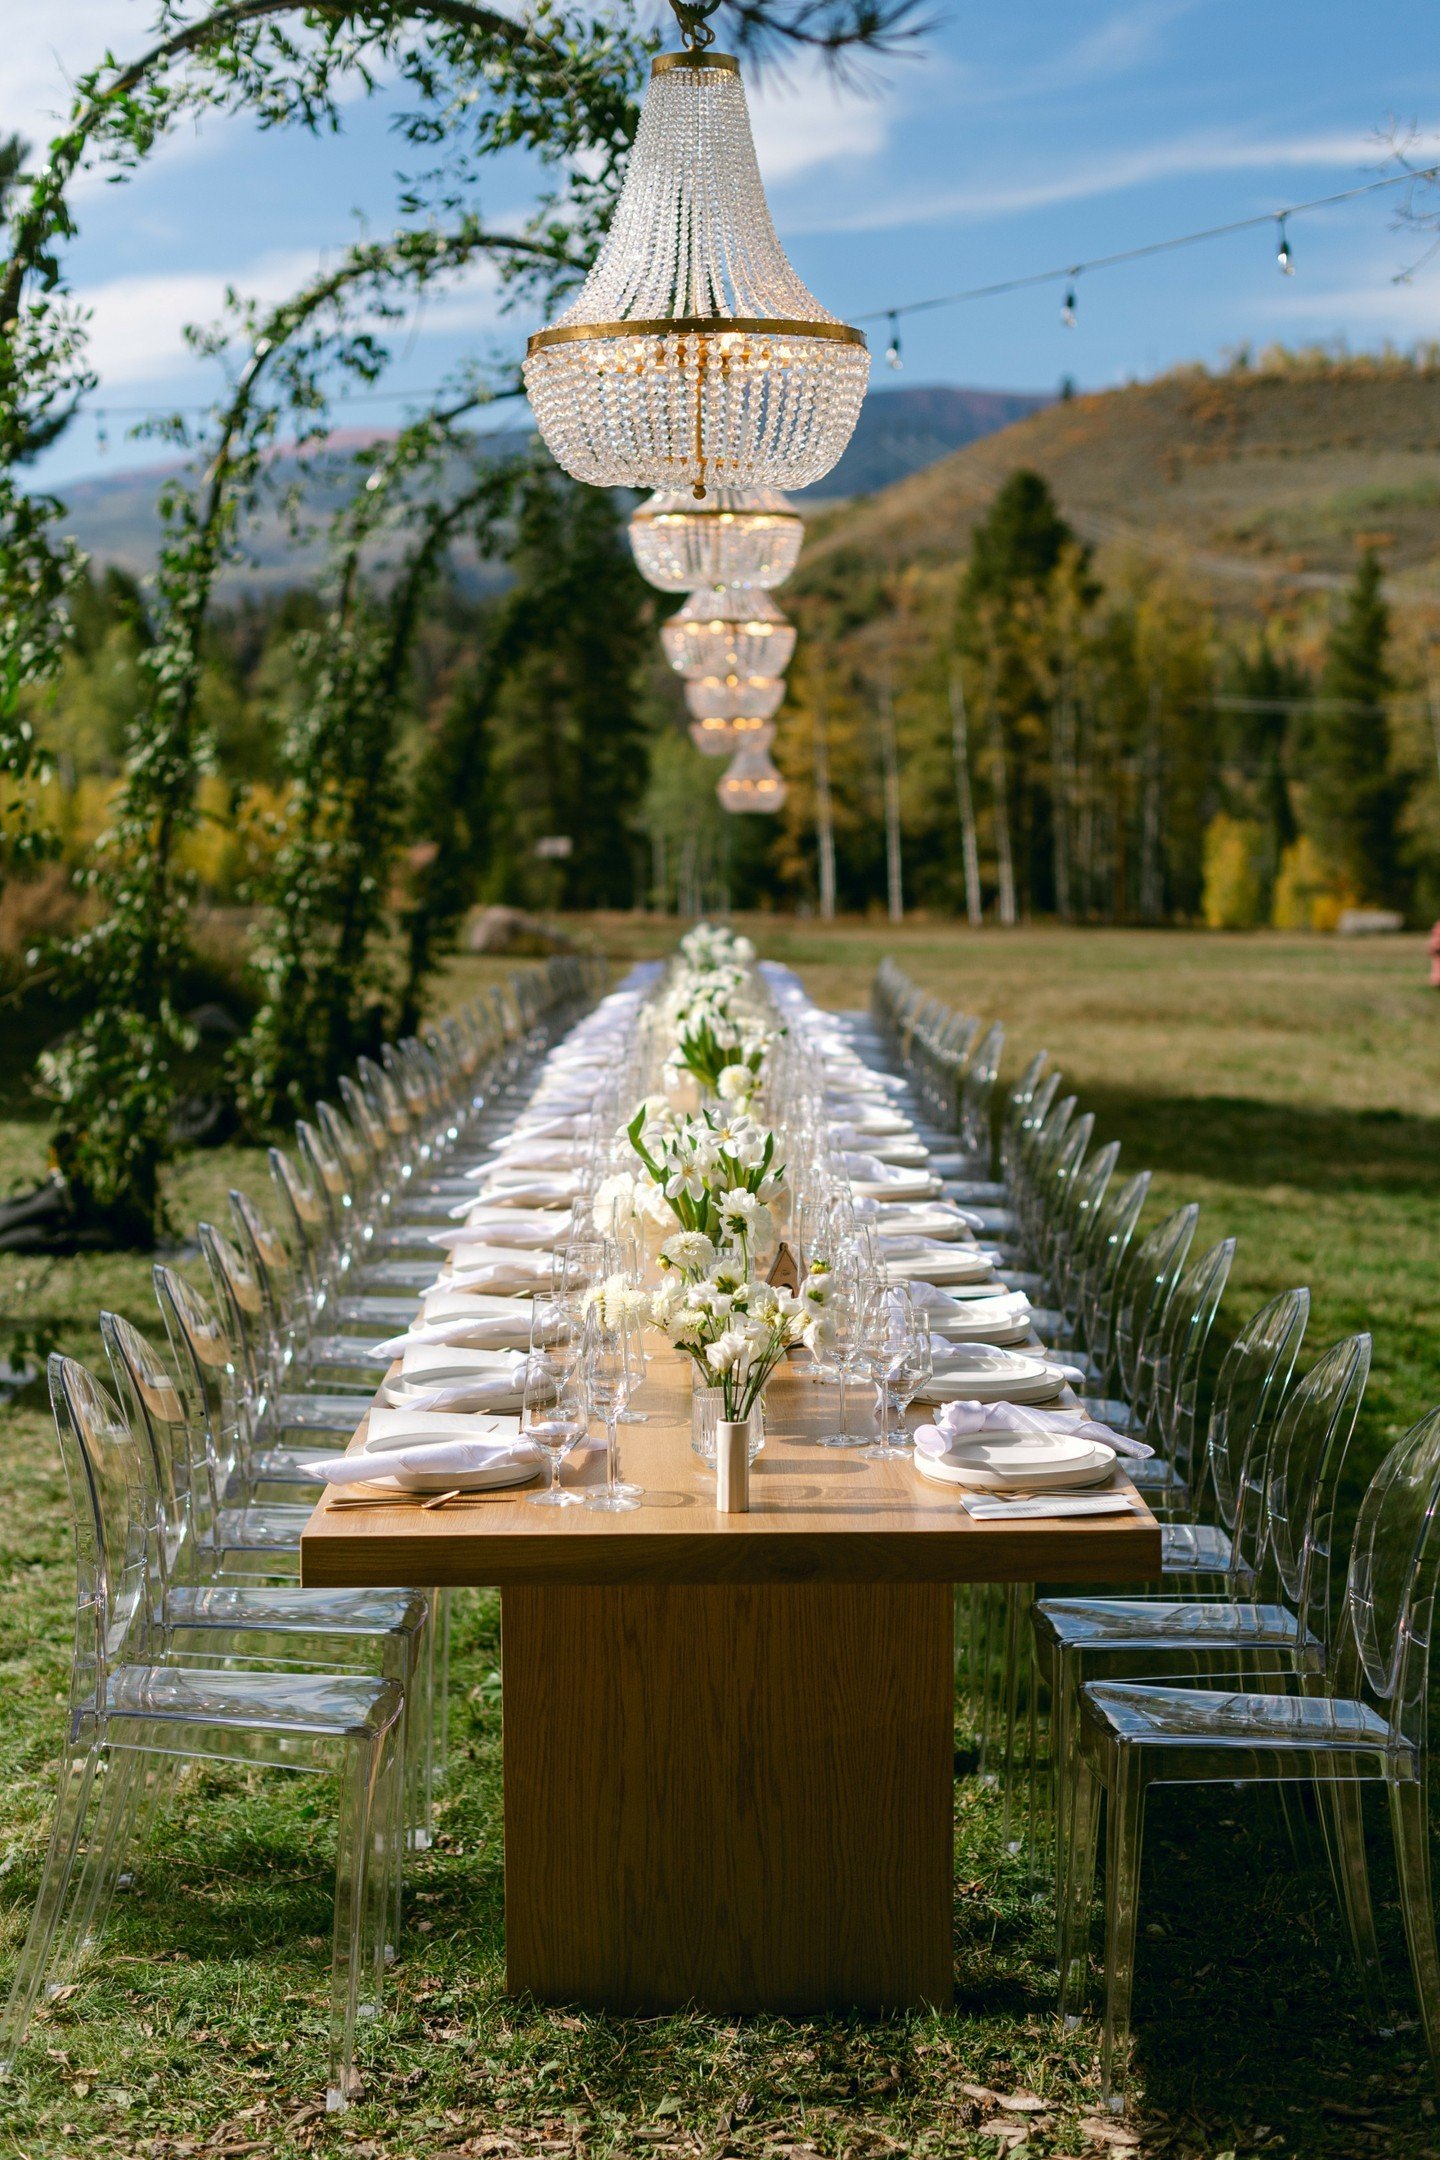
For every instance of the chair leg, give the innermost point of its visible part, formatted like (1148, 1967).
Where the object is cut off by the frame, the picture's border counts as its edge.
(357, 1949)
(1343, 1812)
(1123, 1844)
(1017, 1602)
(110, 1839)
(1078, 1884)
(1410, 1823)
(73, 1805)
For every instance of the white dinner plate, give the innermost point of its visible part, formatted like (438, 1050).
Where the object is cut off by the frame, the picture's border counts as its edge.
(938, 1265)
(1000, 1462)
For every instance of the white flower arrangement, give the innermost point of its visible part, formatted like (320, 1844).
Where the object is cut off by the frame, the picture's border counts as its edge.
(735, 1331)
(717, 1173)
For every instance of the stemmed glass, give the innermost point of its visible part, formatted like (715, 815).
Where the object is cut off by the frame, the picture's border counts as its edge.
(554, 1417)
(849, 1310)
(906, 1363)
(607, 1382)
(635, 1367)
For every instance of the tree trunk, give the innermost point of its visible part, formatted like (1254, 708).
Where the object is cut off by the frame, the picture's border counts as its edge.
(895, 892)
(824, 818)
(1004, 856)
(1152, 878)
(969, 844)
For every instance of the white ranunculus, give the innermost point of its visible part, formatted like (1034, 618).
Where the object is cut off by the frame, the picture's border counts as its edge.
(688, 1249)
(736, 1083)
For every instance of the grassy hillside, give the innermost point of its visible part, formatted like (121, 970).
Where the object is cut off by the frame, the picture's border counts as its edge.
(1266, 475)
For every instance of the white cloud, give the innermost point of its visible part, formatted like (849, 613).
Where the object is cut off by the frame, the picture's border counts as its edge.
(1183, 157)
(812, 120)
(1383, 308)
(46, 48)
(137, 323)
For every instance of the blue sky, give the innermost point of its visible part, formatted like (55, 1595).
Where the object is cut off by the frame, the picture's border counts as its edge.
(1016, 138)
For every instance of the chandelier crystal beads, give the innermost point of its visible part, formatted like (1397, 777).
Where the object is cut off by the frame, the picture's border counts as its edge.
(751, 783)
(737, 536)
(718, 738)
(721, 632)
(734, 697)
(693, 357)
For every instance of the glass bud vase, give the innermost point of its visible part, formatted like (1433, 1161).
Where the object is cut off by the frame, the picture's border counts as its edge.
(707, 1407)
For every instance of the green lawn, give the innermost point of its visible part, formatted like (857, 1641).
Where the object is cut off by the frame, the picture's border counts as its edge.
(1290, 1085)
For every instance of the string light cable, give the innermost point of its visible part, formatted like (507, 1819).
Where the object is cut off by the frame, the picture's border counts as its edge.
(1069, 273)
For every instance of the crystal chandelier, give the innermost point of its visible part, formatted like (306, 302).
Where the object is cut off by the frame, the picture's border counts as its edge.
(717, 738)
(693, 357)
(751, 783)
(719, 632)
(734, 697)
(737, 536)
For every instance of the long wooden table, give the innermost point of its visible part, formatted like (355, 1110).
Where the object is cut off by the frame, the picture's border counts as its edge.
(729, 1741)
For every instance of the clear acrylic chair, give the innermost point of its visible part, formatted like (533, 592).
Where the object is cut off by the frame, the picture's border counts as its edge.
(1241, 1617)
(1142, 1289)
(201, 1614)
(1364, 1720)
(1170, 1363)
(272, 1412)
(132, 1713)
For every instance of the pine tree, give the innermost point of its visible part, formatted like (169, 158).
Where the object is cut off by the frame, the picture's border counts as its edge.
(554, 720)
(1353, 797)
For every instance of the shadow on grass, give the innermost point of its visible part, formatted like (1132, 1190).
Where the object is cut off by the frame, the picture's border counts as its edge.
(1238, 1140)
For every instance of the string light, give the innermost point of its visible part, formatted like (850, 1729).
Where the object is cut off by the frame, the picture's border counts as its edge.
(1068, 273)
(892, 349)
(1283, 255)
(1067, 310)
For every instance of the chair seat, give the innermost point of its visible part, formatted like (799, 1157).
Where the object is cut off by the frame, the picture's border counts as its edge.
(282, 1611)
(274, 1528)
(338, 1353)
(1194, 1549)
(1162, 1623)
(1109, 1410)
(332, 1413)
(990, 1222)
(972, 1192)
(316, 1705)
(1179, 1717)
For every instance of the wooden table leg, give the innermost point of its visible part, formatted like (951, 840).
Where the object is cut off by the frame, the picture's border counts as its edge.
(739, 1797)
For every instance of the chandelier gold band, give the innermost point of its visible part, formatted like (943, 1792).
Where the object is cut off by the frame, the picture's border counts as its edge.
(645, 516)
(665, 62)
(694, 326)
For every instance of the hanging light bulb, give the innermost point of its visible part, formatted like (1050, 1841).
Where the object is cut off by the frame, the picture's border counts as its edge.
(1067, 311)
(721, 738)
(733, 697)
(723, 632)
(1282, 254)
(751, 783)
(693, 356)
(737, 536)
(892, 350)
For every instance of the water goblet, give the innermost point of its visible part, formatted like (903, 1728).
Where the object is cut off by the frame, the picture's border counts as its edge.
(607, 1379)
(554, 1417)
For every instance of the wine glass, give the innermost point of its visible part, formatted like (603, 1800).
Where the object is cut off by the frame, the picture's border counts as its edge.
(554, 1417)
(634, 1337)
(607, 1378)
(906, 1363)
(846, 1312)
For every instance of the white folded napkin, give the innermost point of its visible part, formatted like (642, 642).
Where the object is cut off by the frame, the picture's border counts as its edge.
(496, 1381)
(522, 1233)
(478, 1334)
(972, 1420)
(531, 1188)
(514, 1274)
(437, 1458)
(516, 1155)
(994, 1507)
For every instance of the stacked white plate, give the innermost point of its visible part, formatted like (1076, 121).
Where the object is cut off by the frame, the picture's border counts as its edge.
(515, 1462)
(985, 1320)
(923, 1260)
(903, 1185)
(937, 1220)
(981, 1372)
(1019, 1463)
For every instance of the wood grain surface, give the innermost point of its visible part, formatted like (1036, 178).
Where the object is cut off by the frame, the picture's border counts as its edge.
(738, 1797)
(816, 1515)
